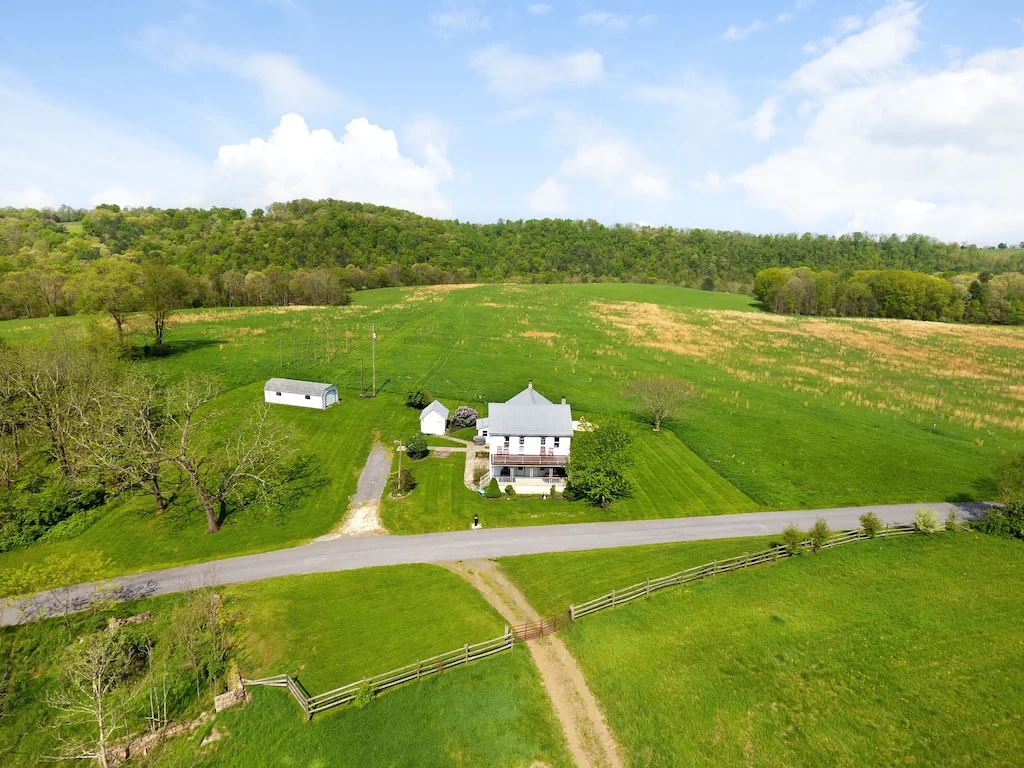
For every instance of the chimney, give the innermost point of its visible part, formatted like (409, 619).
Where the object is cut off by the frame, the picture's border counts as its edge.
(563, 399)
(529, 384)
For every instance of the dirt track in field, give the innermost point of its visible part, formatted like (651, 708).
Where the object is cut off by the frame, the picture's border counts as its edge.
(591, 742)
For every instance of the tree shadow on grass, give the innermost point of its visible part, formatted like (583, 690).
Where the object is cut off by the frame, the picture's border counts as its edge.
(293, 482)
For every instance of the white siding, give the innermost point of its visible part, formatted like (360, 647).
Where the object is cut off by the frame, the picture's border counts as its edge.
(432, 424)
(531, 445)
(286, 398)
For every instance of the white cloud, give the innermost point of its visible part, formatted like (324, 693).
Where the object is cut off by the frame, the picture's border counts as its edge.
(540, 9)
(43, 163)
(711, 184)
(511, 73)
(549, 199)
(892, 149)
(458, 18)
(736, 34)
(29, 197)
(882, 47)
(283, 82)
(619, 168)
(763, 121)
(605, 19)
(365, 165)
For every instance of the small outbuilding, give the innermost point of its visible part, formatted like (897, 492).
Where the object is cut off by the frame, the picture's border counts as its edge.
(305, 394)
(434, 419)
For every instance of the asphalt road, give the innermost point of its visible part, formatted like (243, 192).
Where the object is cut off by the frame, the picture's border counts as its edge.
(351, 553)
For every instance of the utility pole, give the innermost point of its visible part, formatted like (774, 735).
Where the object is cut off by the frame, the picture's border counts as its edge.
(362, 388)
(373, 360)
(938, 402)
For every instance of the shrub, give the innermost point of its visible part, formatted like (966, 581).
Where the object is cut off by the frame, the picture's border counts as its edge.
(793, 539)
(871, 524)
(402, 482)
(463, 417)
(418, 398)
(925, 521)
(364, 695)
(510, 491)
(493, 490)
(1007, 520)
(416, 447)
(820, 534)
(951, 521)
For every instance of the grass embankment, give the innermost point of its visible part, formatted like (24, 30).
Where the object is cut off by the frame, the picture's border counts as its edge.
(890, 652)
(329, 630)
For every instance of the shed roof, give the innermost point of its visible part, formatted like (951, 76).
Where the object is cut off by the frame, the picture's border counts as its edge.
(296, 387)
(434, 407)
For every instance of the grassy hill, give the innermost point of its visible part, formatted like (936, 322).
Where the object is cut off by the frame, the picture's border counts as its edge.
(792, 412)
(898, 651)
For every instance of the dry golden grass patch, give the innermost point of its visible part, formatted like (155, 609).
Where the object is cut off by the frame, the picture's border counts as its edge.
(892, 365)
(223, 315)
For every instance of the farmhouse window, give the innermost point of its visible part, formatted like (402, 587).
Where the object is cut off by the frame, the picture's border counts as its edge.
(543, 441)
(522, 441)
(278, 394)
(307, 397)
(506, 441)
(484, 433)
(557, 441)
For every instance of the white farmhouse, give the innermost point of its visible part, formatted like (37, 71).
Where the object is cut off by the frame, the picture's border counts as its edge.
(434, 419)
(305, 394)
(528, 439)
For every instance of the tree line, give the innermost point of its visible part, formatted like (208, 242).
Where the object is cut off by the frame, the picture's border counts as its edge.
(894, 293)
(315, 252)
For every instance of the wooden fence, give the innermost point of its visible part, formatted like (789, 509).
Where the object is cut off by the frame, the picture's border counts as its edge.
(371, 686)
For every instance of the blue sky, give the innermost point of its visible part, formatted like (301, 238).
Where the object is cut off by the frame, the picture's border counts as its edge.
(767, 117)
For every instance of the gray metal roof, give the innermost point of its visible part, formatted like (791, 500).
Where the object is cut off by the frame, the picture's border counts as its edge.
(435, 407)
(296, 387)
(529, 414)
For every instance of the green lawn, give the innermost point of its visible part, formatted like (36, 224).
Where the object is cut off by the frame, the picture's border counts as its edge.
(331, 629)
(893, 652)
(552, 582)
(490, 714)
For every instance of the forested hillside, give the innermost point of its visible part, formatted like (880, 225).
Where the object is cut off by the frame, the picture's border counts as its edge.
(52, 262)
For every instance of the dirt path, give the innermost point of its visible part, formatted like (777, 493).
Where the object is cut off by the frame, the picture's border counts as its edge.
(590, 740)
(363, 517)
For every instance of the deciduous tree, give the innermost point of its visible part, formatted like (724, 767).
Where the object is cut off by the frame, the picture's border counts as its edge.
(660, 396)
(599, 462)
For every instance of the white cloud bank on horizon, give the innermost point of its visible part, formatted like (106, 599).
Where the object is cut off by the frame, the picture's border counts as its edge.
(363, 165)
(889, 149)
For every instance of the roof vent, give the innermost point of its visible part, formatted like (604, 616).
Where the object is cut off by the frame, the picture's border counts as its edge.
(563, 399)
(529, 384)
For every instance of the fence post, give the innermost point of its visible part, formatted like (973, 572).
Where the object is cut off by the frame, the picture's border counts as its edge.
(613, 598)
(647, 587)
(465, 650)
(746, 559)
(714, 568)
(572, 612)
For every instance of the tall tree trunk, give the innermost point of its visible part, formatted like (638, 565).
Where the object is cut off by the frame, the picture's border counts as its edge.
(207, 499)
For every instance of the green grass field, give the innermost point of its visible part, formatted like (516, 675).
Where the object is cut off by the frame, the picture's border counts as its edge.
(893, 652)
(329, 630)
(792, 413)
(492, 713)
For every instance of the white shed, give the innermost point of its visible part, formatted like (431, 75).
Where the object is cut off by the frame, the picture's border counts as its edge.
(305, 394)
(433, 419)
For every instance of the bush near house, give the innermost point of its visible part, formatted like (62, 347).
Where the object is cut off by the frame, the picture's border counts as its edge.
(416, 447)
(493, 490)
(463, 417)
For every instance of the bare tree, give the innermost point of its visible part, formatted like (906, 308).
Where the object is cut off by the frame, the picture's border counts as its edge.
(52, 379)
(122, 440)
(94, 700)
(660, 396)
(243, 468)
